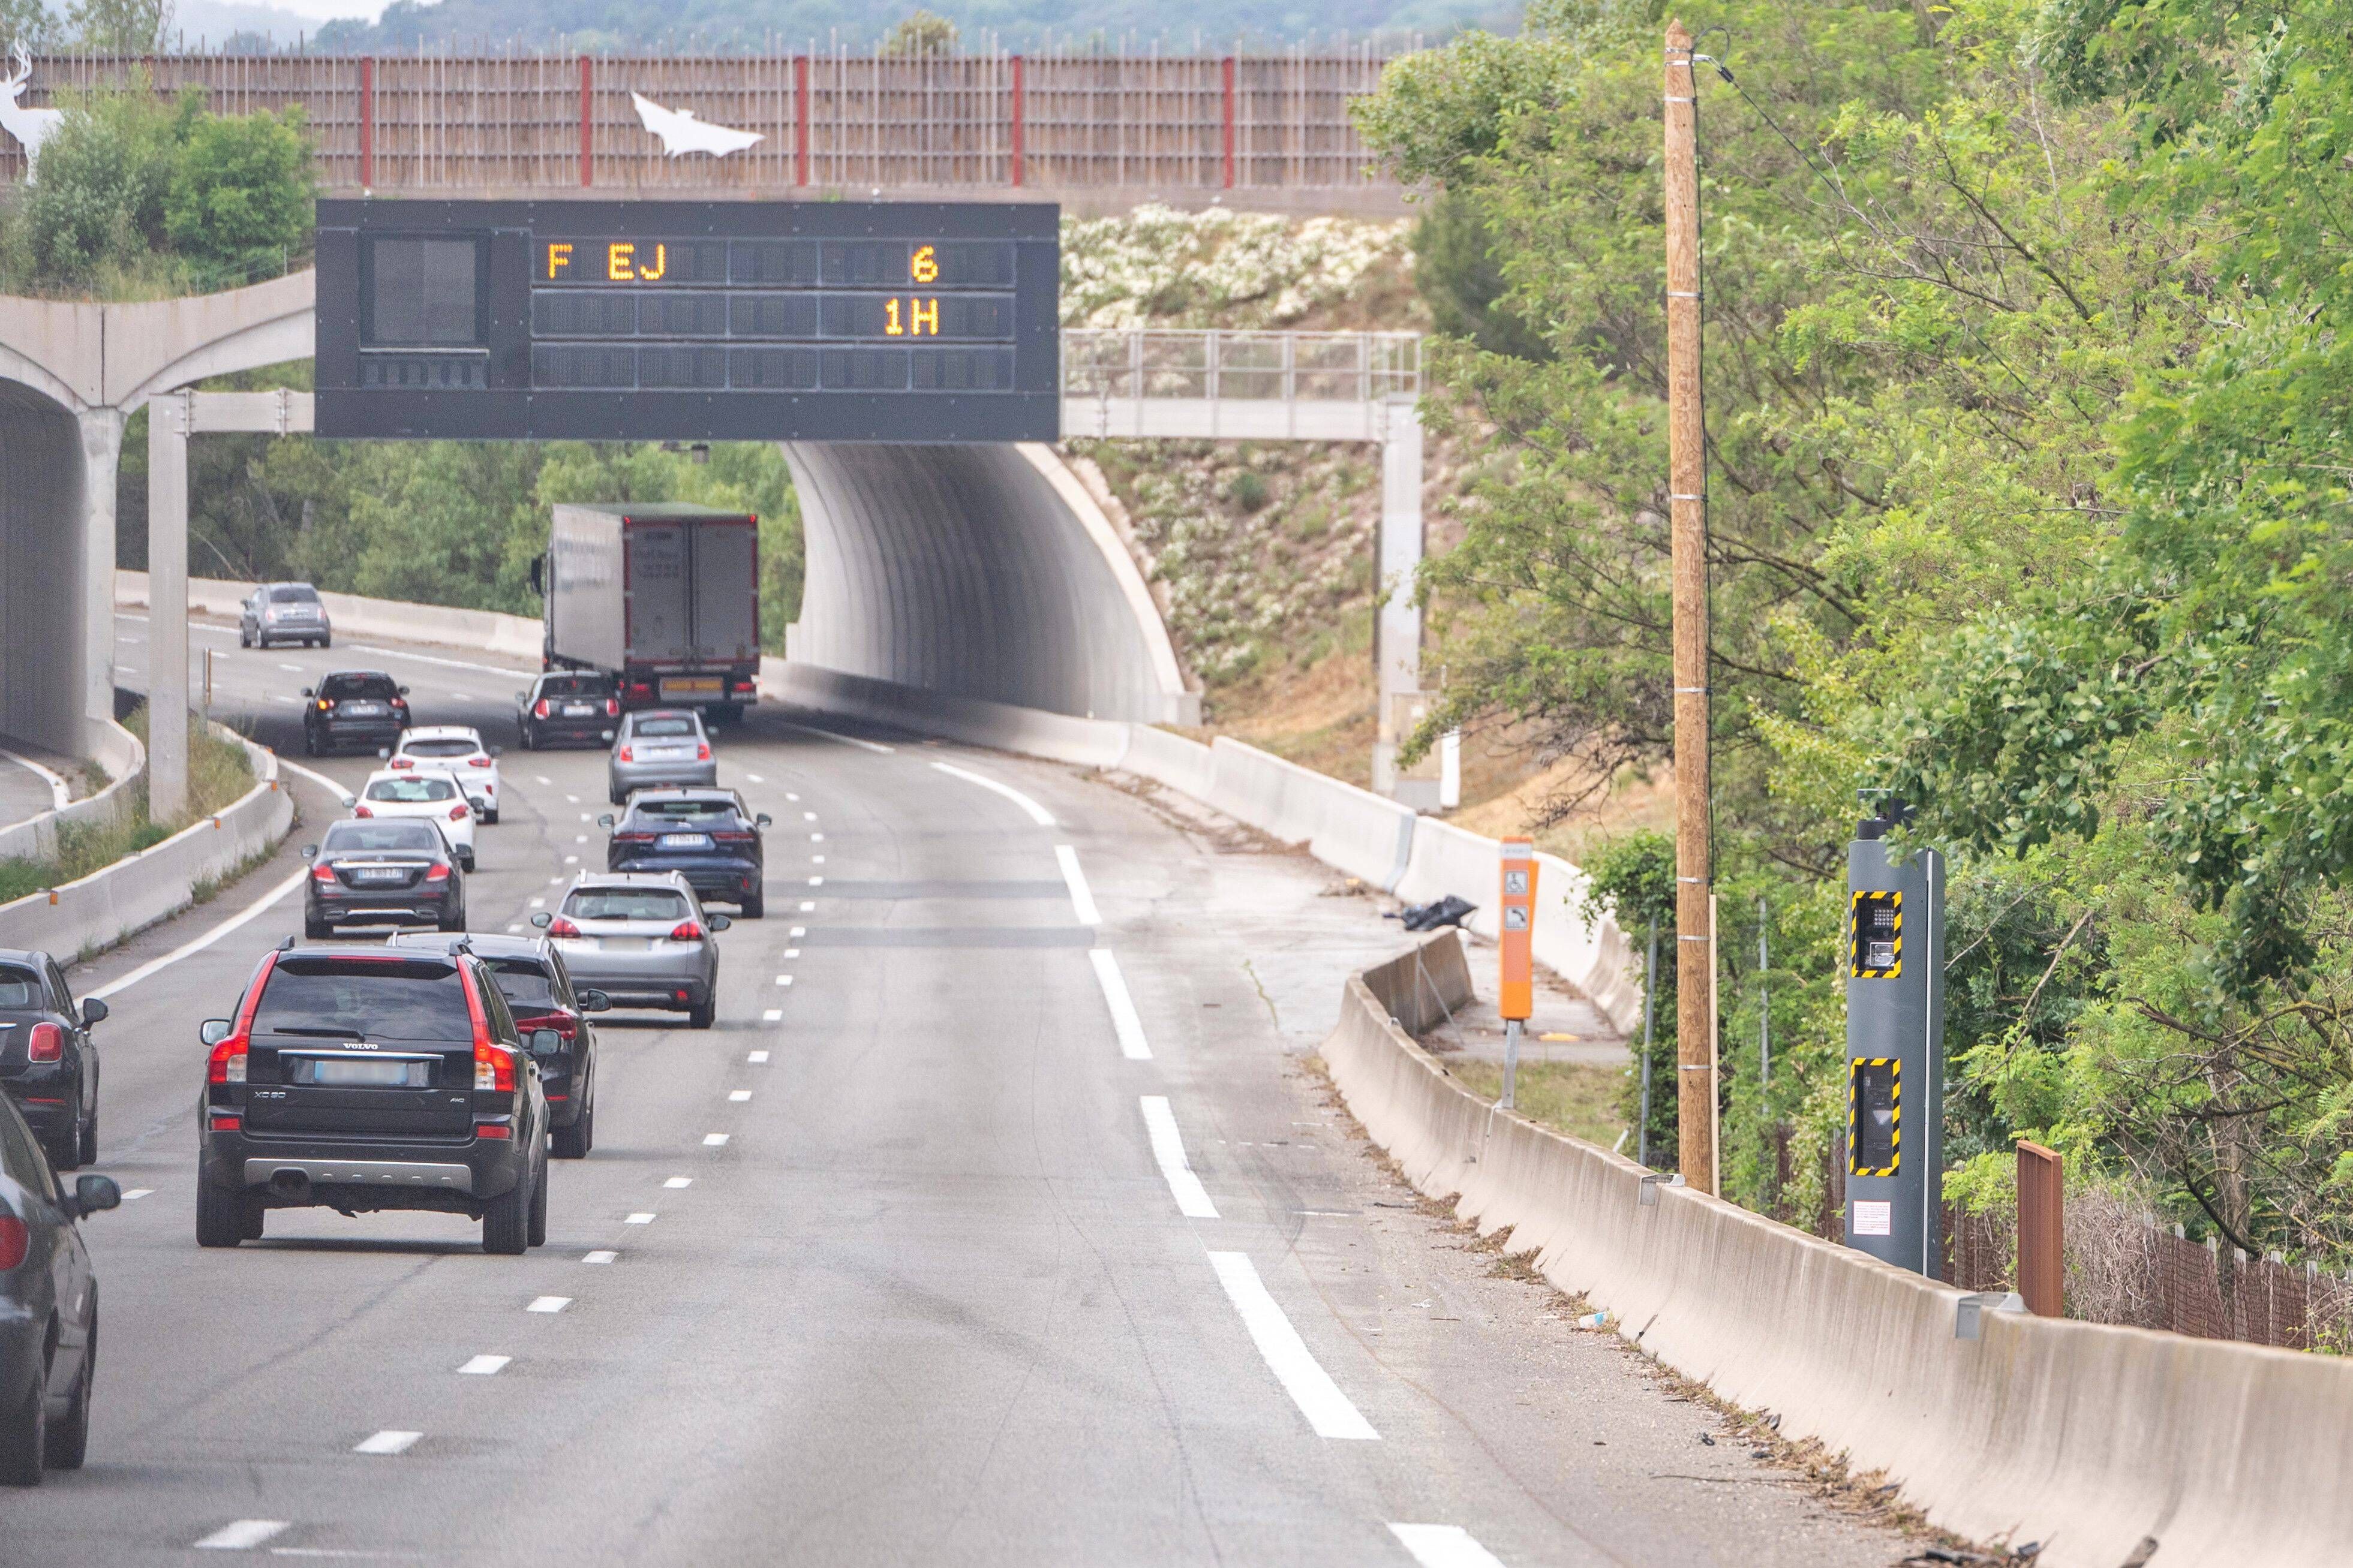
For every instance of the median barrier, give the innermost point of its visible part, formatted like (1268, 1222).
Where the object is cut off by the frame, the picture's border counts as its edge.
(116, 751)
(80, 918)
(2087, 1438)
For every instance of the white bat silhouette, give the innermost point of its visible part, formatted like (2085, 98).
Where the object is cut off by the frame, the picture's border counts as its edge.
(682, 133)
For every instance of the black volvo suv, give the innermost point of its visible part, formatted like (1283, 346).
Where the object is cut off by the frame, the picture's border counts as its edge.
(360, 1079)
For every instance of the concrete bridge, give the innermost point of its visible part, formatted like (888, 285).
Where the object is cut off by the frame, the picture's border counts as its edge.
(973, 570)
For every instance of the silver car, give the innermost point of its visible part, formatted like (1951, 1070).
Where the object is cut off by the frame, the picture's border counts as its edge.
(660, 746)
(641, 937)
(283, 612)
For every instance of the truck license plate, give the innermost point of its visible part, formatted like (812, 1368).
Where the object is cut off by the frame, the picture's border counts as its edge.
(692, 686)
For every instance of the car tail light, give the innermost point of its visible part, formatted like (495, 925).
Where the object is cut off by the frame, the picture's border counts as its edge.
(15, 1241)
(563, 1024)
(748, 686)
(326, 705)
(478, 762)
(612, 708)
(629, 753)
(47, 1044)
(539, 708)
(733, 837)
(361, 811)
(437, 873)
(559, 926)
(703, 751)
(686, 930)
(402, 762)
(493, 1065)
(229, 1123)
(400, 702)
(323, 874)
(228, 1064)
(458, 811)
(489, 1129)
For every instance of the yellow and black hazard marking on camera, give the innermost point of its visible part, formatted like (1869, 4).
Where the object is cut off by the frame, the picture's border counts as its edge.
(1876, 926)
(1874, 1116)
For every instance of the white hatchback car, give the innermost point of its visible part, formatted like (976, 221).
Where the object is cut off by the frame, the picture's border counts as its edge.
(458, 751)
(429, 793)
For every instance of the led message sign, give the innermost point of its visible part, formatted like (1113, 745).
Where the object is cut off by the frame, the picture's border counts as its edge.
(731, 321)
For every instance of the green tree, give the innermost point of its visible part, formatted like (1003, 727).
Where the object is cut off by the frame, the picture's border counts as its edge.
(27, 24)
(120, 26)
(99, 201)
(921, 34)
(240, 199)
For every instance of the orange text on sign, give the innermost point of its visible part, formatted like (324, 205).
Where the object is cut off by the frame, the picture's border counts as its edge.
(921, 318)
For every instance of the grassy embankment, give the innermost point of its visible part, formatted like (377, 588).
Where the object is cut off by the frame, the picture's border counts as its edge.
(219, 773)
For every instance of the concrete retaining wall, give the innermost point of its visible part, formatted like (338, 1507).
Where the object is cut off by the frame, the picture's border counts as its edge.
(2086, 1437)
(118, 752)
(109, 905)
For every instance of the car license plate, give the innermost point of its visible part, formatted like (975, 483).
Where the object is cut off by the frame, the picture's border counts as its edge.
(360, 709)
(578, 710)
(380, 875)
(330, 1072)
(691, 686)
(684, 841)
(624, 943)
(665, 753)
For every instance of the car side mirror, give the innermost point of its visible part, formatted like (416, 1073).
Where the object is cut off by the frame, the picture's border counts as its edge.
(383, 752)
(546, 1042)
(543, 919)
(310, 851)
(720, 922)
(213, 1031)
(498, 751)
(764, 820)
(402, 689)
(606, 820)
(93, 1011)
(523, 697)
(307, 693)
(596, 1001)
(92, 1193)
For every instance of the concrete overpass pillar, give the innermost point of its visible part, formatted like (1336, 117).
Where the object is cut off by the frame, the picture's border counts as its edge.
(102, 454)
(167, 606)
(1397, 634)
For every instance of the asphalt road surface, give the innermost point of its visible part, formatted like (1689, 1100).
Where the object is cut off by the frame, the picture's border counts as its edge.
(920, 1255)
(24, 794)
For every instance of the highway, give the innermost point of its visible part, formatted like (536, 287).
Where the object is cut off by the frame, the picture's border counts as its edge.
(923, 1255)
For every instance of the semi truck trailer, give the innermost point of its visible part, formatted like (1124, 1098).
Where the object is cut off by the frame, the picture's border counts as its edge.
(664, 598)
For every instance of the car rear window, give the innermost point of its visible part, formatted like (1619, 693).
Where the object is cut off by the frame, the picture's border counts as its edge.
(408, 999)
(20, 988)
(345, 837)
(658, 727)
(660, 812)
(523, 982)
(574, 686)
(294, 594)
(422, 786)
(382, 687)
(439, 749)
(624, 904)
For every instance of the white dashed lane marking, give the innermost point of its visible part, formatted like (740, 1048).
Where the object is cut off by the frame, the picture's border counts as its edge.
(758, 1058)
(1168, 1152)
(1125, 1022)
(1287, 1356)
(773, 1016)
(639, 1218)
(135, 1193)
(738, 1096)
(1445, 1546)
(1082, 898)
(600, 1255)
(714, 1139)
(485, 1365)
(387, 1442)
(548, 1304)
(241, 1535)
(677, 1184)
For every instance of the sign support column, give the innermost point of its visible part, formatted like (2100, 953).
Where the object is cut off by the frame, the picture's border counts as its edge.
(1397, 633)
(167, 606)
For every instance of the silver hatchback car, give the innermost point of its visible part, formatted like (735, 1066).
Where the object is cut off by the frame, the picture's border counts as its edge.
(660, 746)
(641, 937)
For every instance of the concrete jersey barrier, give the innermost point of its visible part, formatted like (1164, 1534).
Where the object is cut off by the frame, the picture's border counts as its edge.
(83, 917)
(2088, 1438)
(119, 753)
(349, 614)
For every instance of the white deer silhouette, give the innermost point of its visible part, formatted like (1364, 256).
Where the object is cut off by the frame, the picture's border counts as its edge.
(30, 127)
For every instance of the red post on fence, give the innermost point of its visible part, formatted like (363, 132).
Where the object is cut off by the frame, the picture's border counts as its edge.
(367, 123)
(1017, 120)
(800, 120)
(587, 121)
(1229, 74)
(2041, 1230)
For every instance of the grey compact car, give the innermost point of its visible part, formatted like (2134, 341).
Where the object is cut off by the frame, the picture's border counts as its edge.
(283, 612)
(641, 937)
(660, 746)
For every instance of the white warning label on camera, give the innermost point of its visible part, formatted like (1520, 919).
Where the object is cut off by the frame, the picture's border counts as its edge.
(1874, 1218)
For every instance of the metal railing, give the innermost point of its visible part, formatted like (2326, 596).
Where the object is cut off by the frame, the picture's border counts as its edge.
(1214, 366)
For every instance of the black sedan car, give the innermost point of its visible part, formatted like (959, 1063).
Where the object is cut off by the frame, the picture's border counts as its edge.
(48, 1063)
(387, 870)
(530, 974)
(567, 708)
(707, 835)
(48, 1309)
(356, 709)
(366, 1079)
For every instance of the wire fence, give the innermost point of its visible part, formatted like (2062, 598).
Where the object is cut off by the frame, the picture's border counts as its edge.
(831, 117)
(1315, 367)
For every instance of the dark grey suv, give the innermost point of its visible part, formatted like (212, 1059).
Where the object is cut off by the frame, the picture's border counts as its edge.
(49, 1309)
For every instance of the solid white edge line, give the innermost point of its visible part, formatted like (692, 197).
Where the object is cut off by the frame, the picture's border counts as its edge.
(1168, 1151)
(1445, 1546)
(321, 780)
(1038, 814)
(241, 1535)
(234, 922)
(60, 793)
(1082, 900)
(387, 1442)
(1125, 1021)
(1287, 1356)
(844, 740)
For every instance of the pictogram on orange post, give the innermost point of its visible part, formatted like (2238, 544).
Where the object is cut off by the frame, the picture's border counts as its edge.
(1515, 936)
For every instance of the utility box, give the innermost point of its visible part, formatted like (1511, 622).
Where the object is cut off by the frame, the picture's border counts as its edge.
(1894, 960)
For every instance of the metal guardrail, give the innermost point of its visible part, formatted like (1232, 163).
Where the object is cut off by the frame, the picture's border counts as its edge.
(1215, 366)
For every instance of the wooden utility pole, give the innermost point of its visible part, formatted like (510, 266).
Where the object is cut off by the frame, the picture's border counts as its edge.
(1687, 476)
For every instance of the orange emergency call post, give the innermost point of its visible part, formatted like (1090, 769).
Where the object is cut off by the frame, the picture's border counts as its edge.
(1515, 932)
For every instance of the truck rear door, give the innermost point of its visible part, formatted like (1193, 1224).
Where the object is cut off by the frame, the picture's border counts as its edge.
(656, 584)
(727, 591)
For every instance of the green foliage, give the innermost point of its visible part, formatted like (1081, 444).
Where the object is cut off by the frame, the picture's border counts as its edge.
(99, 199)
(241, 197)
(27, 25)
(1456, 268)
(120, 26)
(921, 34)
